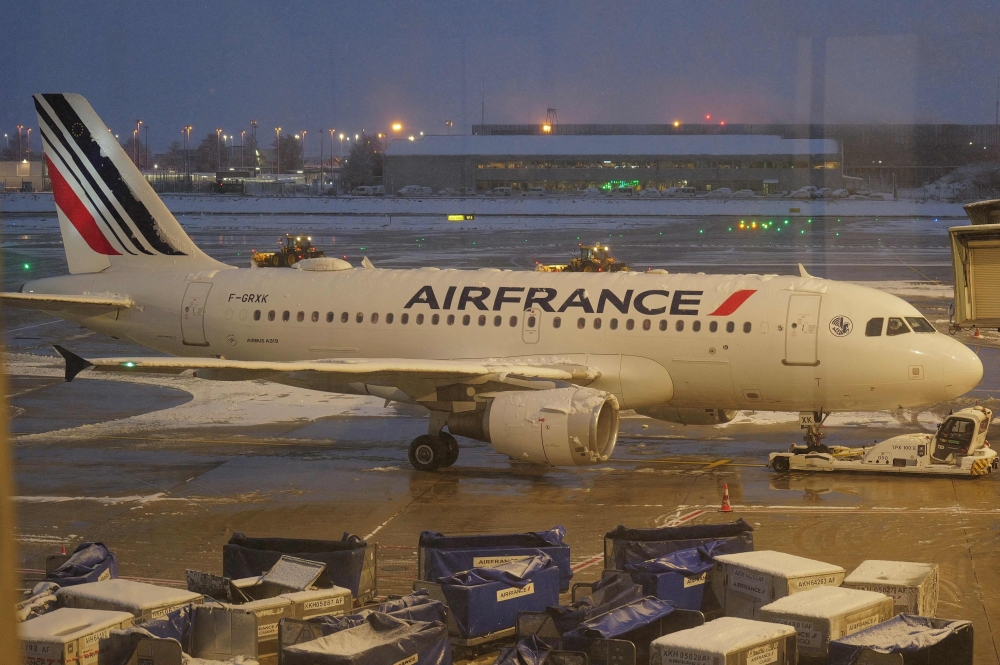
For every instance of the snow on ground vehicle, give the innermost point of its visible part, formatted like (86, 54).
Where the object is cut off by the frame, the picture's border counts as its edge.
(959, 448)
(593, 258)
(293, 249)
(649, 193)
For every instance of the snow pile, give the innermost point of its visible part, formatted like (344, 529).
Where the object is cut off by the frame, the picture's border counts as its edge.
(966, 183)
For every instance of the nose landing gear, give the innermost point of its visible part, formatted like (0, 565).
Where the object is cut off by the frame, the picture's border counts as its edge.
(436, 449)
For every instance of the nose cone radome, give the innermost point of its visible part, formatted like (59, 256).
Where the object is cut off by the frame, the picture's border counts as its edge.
(963, 370)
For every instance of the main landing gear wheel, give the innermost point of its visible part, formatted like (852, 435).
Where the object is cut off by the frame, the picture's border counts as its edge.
(428, 453)
(451, 448)
(780, 464)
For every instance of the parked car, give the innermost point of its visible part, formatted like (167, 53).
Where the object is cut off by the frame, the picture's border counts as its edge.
(363, 190)
(534, 192)
(839, 194)
(502, 191)
(803, 193)
(591, 192)
(679, 192)
(467, 191)
(623, 191)
(744, 194)
(448, 191)
(649, 193)
(414, 190)
(822, 193)
(720, 193)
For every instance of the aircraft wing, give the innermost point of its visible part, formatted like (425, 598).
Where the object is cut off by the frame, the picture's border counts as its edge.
(418, 379)
(85, 305)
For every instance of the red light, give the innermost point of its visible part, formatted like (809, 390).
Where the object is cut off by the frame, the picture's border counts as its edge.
(708, 117)
(723, 122)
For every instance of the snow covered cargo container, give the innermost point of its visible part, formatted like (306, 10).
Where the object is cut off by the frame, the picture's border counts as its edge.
(269, 611)
(143, 601)
(439, 555)
(319, 602)
(727, 641)
(379, 640)
(747, 581)
(828, 613)
(907, 640)
(913, 587)
(69, 636)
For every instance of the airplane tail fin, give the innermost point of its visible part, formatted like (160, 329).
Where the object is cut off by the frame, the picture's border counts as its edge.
(108, 214)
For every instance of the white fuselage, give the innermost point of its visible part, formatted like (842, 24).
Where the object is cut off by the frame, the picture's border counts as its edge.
(788, 348)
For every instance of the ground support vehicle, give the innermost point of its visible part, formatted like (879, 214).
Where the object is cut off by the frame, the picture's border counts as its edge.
(293, 249)
(958, 448)
(593, 258)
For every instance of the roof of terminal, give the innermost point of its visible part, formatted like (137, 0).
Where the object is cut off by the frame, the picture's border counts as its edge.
(610, 146)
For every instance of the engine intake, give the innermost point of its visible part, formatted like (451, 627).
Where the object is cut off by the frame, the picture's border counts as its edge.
(688, 416)
(562, 427)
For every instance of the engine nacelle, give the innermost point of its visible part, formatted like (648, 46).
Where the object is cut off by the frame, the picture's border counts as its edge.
(688, 416)
(562, 427)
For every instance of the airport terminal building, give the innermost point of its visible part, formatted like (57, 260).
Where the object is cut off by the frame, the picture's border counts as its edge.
(762, 163)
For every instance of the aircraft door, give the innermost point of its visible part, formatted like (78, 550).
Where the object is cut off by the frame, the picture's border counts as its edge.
(531, 325)
(802, 330)
(193, 314)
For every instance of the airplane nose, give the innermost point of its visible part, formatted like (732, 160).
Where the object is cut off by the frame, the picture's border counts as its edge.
(963, 370)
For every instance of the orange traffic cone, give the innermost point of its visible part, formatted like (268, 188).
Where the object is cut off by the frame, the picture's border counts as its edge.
(977, 334)
(62, 549)
(726, 508)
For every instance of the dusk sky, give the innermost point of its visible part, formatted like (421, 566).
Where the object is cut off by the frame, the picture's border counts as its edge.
(353, 66)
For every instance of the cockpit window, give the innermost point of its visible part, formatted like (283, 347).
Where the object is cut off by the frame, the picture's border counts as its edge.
(874, 327)
(919, 324)
(896, 327)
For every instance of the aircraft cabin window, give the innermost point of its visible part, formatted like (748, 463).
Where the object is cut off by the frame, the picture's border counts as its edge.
(920, 324)
(663, 324)
(597, 323)
(513, 322)
(435, 319)
(747, 327)
(531, 321)
(300, 317)
(646, 324)
(466, 320)
(243, 315)
(630, 324)
(315, 317)
(270, 315)
(713, 326)
(359, 317)
(556, 322)
(329, 317)
(482, 320)
(730, 326)
(451, 319)
(613, 324)
(874, 327)
(256, 315)
(896, 327)
(374, 318)
(679, 326)
(388, 317)
(286, 315)
(420, 319)
(344, 317)
(696, 326)
(497, 320)
(581, 323)
(404, 319)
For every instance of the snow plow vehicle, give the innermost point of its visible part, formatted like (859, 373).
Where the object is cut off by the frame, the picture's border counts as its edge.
(293, 249)
(593, 258)
(958, 448)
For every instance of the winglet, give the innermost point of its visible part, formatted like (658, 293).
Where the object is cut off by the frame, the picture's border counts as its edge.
(802, 271)
(366, 263)
(74, 363)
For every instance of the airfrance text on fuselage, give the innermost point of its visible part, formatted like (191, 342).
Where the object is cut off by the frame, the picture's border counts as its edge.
(650, 303)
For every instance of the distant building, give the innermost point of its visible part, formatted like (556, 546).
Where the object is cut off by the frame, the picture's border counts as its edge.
(761, 163)
(24, 176)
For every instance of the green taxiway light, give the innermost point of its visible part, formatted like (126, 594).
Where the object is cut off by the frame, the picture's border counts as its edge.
(27, 266)
(129, 364)
(801, 231)
(730, 228)
(838, 234)
(701, 230)
(786, 221)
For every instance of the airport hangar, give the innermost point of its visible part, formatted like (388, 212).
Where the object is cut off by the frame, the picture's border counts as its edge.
(762, 163)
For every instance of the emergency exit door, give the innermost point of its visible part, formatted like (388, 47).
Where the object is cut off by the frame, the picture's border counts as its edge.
(193, 314)
(802, 330)
(530, 326)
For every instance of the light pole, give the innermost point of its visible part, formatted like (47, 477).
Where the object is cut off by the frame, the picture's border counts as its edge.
(28, 143)
(135, 142)
(277, 149)
(332, 130)
(19, 128)
(303, 150)
(341, 145)
(218, 146)
(243, 140)
(253, 134)
(187, 150)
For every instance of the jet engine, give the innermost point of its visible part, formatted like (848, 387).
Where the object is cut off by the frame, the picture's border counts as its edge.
(688, 416)
(562, 427)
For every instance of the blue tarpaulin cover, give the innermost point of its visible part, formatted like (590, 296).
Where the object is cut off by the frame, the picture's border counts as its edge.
(417, 606)
(679, 576)
(637, 545)
(446, 555)
(905, 633)
(88, 563)
(624, 619)
(174, 625)
(380, 640)
(344, 558)
(529, 651)
(609, 593)
(485, 600)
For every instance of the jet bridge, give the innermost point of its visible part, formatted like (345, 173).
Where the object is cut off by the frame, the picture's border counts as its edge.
(975, 252)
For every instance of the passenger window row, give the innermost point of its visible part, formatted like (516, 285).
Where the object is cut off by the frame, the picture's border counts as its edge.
(498, 321)
(897, 326)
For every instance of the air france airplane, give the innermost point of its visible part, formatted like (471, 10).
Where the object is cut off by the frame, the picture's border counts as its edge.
(537, 364)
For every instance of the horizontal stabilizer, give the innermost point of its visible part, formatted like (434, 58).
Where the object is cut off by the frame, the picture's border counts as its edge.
(74, 363)
(83, 305)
